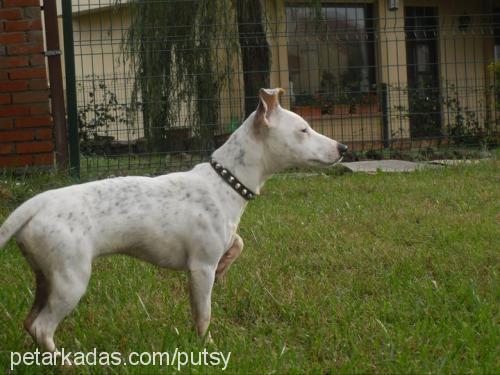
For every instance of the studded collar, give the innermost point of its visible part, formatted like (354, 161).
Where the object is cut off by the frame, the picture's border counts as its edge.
(232, 181)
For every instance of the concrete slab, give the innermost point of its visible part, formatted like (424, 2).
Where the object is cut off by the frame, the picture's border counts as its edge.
(457, 161)
(372, 166)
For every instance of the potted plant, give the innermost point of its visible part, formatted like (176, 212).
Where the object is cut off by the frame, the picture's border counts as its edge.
(307, 105)
(342, 104)
(368, 104)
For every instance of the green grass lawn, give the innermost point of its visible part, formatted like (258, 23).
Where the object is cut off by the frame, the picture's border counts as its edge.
(384, 273)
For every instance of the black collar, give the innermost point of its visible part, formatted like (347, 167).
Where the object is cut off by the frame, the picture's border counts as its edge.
(232, 181)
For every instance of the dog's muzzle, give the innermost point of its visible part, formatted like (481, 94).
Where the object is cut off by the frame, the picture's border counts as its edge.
(342, 149)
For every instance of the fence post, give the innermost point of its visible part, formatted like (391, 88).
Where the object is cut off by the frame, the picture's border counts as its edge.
(385, 115)
(69, 63)
(53, 54)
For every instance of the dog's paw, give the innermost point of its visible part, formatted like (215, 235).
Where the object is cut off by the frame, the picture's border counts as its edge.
(208, 339)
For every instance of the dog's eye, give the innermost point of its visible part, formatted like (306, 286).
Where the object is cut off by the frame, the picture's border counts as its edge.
(304, 130)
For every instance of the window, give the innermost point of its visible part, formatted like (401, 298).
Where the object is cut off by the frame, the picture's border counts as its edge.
(331, 56)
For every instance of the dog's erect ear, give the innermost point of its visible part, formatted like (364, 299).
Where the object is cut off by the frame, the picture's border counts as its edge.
(268, 101)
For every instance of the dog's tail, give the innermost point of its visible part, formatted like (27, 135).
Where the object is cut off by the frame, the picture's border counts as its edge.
(17, 220)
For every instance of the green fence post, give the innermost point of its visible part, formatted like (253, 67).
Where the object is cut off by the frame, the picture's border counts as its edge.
(385, 114)
(69, 65)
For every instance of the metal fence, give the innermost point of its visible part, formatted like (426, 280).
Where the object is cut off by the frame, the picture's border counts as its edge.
(159, 84)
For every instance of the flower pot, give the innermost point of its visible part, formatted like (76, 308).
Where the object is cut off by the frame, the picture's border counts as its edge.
(341, 109)
(367, 109)
(307, 111)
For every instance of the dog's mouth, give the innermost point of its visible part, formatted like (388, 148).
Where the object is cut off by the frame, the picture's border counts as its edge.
(326, 163)
(338, 160)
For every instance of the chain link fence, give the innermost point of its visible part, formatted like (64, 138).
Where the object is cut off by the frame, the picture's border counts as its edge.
(161, 83)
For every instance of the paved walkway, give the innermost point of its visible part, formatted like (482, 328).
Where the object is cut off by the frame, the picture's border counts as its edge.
(372, 166)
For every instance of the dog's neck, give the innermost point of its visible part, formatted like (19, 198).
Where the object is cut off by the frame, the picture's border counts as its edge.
(244, 156)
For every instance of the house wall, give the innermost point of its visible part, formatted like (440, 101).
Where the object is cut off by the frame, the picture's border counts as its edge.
(275, 24)
(98, 36)
(464, 56)
(392, 67)
(99, 59)
(463, 59)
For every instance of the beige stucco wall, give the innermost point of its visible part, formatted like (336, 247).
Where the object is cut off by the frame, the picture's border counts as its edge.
(98, 34)
(391, 66)
(463, 57)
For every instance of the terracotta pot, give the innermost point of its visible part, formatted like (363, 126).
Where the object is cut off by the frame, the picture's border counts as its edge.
(307, 111)
(367, 108)
(341, 109)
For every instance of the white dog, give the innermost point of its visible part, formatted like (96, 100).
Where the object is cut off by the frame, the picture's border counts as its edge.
(182, 221)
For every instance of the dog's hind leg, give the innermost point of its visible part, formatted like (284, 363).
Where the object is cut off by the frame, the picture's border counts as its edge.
(68, 283)
(41, 292)
(229, 257)
(41, 296)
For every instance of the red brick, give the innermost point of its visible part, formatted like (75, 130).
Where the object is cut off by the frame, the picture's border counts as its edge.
(44, 134)
(23, 25)
(37, 60)
(6, 148)
(44, 159)
(11, 14)
(14, 110)
(3, 75)
(33, 147)
(27, 73)
(20, 3)
(26, 160)
(35, 36)
(30, 97)
(6, 123)
(16, 160)
(13, 86)
(40, 109)
(38, 84)
(29, 122)
(13, 62)
(17, 135)
(32, 12)
(4, 98)
(25, 49)
(11, 38)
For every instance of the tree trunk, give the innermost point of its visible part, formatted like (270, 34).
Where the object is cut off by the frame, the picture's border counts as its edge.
(254, 51)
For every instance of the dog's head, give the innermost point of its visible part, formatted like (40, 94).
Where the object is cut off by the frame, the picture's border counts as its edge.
(288, 138)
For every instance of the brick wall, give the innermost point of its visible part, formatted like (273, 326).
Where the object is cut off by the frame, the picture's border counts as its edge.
(26, 128)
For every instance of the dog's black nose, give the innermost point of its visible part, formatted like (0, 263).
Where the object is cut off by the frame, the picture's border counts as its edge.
(342, 148)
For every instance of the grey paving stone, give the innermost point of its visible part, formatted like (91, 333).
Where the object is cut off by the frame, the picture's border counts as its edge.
(372, 166)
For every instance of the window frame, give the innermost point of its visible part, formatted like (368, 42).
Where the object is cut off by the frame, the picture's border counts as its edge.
(368, 9)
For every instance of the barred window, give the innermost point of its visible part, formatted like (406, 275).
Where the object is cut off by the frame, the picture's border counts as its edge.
(331, 58)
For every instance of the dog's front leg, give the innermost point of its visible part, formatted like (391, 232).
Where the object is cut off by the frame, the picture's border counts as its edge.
(201, 282)
(229, 257)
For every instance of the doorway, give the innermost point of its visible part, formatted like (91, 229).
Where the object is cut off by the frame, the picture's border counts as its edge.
(421, 28)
